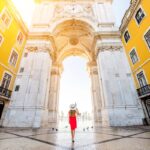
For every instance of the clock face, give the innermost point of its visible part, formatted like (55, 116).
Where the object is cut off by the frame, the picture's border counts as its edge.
(73, 8)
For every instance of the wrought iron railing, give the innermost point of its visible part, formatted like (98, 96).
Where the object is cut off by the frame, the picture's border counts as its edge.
(5, 92)
(145, 90)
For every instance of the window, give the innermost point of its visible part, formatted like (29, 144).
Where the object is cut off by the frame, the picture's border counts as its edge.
(25, 54)
(139, 15)
(147, 38)
(1, 39)
(20, 38)
(13, 58)
(133, 56)
(17, 87)
(6, 81)
(126, 36)
(5, 17)
(141, 79)
(21, 69)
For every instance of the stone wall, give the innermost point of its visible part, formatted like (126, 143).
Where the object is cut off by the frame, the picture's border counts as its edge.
(29, 105)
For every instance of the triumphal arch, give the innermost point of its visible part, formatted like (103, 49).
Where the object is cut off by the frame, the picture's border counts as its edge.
(61, 28)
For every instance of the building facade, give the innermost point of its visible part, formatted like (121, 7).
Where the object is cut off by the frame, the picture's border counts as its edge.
(61, 29)
(135, 29)
(13, 35)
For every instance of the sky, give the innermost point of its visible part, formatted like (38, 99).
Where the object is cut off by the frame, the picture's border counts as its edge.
(75, 84)
(119, 8)
(75, 81)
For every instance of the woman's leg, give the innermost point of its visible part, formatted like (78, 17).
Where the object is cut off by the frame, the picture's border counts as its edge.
(72, 135)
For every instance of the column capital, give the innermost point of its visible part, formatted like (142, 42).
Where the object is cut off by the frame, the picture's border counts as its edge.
(31, 48)
(92, 68)
(108, 46)
(92, 63)
(56, 69)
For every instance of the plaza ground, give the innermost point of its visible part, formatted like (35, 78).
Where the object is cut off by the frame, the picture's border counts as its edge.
(90, 137)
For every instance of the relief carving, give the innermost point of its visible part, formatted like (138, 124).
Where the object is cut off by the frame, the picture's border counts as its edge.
(74, 10)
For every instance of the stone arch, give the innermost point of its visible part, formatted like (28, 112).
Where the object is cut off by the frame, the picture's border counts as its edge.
(73, 37)
(91, 24)
(74, 52)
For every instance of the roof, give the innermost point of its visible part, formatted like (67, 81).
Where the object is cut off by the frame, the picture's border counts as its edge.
(128, 14)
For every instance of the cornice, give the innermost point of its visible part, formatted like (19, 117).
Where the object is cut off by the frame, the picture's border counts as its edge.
(102, 34)
(42, 36)
(17, 16)
(128, 15)
(73, 1)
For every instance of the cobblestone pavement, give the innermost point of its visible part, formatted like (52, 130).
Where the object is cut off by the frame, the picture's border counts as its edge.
(87, 138)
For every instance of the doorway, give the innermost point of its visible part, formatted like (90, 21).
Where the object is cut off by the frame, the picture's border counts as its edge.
(2, 104)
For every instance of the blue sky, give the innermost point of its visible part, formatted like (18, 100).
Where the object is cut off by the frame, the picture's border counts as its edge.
(75, 82)
(119, 8)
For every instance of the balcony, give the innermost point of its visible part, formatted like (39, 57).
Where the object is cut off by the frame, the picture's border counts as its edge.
(144, 91)
(5, 92)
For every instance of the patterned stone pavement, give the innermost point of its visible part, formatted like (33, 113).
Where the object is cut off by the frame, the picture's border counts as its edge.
(89, 138)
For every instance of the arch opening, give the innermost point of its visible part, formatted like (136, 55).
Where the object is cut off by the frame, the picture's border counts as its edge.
(73, 38)
(75, 87)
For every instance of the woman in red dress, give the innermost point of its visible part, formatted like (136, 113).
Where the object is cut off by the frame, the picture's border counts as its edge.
(72, 119)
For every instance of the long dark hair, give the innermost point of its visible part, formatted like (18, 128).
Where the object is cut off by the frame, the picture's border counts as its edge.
(72, 112)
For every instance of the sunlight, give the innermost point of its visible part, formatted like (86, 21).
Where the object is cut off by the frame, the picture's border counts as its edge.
(75, 85)
(25, 8)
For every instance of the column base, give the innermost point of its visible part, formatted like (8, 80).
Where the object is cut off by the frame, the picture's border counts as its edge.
(97, 116)
(26, 117)
(52, 117)
(122, 116)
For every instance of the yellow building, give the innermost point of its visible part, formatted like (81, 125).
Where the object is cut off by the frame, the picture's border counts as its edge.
(13, 35)
(135, 29)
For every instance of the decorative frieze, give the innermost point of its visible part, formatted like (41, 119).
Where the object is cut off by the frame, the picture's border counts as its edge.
(105, 46)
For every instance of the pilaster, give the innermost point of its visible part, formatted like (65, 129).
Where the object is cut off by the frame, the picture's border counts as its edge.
(95, 89)
(54, 92)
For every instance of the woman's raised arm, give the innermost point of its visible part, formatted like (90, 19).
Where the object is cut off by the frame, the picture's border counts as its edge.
(77, 111)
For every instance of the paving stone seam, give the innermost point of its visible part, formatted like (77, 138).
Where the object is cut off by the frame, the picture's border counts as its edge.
(46, 142)
(78, 147)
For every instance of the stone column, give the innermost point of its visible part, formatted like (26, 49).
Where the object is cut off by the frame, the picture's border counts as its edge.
(95, 88)
(120, 106)
(28, 107)
(54, 93)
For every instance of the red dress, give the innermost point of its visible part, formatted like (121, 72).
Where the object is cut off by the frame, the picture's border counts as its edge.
(72, 121)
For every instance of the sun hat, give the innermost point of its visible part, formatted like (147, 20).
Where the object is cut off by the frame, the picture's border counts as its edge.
(73, 106)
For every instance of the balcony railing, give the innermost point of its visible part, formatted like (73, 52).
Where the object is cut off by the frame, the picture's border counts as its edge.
(145, 90)
(5, 92)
